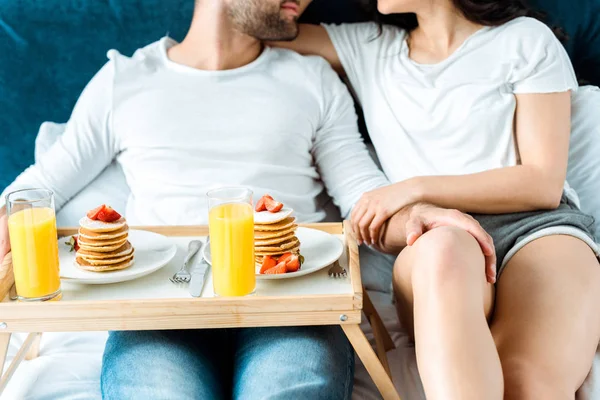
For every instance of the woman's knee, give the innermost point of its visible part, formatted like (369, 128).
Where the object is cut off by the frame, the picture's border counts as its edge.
(446, 255)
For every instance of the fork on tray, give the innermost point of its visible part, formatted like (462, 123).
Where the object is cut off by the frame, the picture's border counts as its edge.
(183, 275)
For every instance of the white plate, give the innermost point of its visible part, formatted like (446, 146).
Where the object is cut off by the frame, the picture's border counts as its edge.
(152, 252)
(319, 249)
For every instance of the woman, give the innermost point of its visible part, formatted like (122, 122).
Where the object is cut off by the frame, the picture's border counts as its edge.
(468, 106)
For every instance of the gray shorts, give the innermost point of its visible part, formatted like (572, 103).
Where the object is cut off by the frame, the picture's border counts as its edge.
(511, 232)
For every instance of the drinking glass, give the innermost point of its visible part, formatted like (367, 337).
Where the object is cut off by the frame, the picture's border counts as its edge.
(231, 229)
(34, 244)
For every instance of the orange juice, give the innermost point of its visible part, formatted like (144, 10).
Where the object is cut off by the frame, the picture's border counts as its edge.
(34, 246)
(232, 249)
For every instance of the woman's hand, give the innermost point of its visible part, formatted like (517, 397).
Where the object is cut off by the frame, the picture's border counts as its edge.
(425, 217)
(375, 207)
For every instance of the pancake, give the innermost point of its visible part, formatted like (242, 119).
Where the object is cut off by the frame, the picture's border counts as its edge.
(289, 244)
(268, 218)
(125, 250)
(265, 235)
(99, 226)
(101, 248)
(102, 242)
(295, 250)
(108, 261)
(86, 233)
(274, 240)
(82, 264)
(286, 223)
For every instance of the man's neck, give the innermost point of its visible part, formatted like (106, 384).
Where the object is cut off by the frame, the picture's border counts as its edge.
(212, 43)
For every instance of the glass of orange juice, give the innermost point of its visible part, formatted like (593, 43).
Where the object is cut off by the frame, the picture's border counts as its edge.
(34, 244)
(231, 228)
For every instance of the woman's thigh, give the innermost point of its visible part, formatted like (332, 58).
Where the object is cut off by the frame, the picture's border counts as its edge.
(546, 322)
(443, 258)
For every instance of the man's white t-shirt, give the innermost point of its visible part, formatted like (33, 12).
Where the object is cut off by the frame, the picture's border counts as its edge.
(283, 124)
(455, 117)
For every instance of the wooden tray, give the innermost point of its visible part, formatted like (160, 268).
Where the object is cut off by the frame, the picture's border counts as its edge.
(344, 309)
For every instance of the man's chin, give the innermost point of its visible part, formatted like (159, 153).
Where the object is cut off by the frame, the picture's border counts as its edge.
(282, 37)
(285, 33)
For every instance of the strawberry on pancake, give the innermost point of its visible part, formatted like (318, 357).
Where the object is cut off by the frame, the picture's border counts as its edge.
(102, 241)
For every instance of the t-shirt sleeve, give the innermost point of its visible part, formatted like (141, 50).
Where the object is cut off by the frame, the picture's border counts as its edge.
(86, 147)
(357, 47)
(341, 157)
(544, 65)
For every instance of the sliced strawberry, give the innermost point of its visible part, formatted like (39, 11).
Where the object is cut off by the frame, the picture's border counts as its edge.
(284, 257)
(273, 206)
(73, 244)
(93, 214)
(260, 205)
(268, 263)
(108, 214)
(293, 264)
(278, 269)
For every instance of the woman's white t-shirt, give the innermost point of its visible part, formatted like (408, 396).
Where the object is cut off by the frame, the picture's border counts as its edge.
(455, 117)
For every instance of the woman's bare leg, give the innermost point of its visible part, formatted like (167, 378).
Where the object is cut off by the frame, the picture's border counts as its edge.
(547, 319)
(441, 281)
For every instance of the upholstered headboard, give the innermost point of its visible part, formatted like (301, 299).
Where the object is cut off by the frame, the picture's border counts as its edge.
(50, 49)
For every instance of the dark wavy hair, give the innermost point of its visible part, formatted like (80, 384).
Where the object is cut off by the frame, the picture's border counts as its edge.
(483, 12)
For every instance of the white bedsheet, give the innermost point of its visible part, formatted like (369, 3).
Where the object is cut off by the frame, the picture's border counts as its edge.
(69, 366)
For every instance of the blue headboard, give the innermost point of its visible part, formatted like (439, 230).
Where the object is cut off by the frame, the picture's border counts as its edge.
(52, 48)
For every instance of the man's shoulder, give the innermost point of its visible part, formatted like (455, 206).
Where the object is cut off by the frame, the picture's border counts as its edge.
(315, 68)
(145, 57)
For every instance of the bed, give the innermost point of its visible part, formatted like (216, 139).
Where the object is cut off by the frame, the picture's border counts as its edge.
(69, 363)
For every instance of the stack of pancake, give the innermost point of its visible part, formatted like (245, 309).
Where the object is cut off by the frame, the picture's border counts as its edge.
(103, 246)
(275, 238)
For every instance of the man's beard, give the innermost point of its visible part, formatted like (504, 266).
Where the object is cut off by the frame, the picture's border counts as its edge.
(262, 21)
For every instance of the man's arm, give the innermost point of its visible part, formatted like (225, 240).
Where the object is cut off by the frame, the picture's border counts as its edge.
(79, 155)
(87, 146)
(342, 158)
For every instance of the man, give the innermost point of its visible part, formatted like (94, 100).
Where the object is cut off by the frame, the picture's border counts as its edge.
(220, 109)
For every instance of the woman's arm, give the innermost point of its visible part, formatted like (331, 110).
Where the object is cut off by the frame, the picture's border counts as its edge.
(542, 127)
(313, 40)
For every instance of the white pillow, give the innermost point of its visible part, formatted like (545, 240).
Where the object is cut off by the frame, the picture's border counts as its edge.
(583, 173)
(109, 187)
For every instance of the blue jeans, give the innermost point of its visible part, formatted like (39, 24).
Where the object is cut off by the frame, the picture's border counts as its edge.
(258, 363)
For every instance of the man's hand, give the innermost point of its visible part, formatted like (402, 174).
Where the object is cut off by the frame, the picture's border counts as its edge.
(4, 240)
(410, 223)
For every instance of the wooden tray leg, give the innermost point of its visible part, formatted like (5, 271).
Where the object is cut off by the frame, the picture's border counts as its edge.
(4, 340)
(376, 322)
(379, 347)
(372, 364)
(383, 340)
(16, 361)
(34, 350)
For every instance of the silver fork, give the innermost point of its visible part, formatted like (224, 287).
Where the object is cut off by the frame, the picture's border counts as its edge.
(337, 271)
(183, 275)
